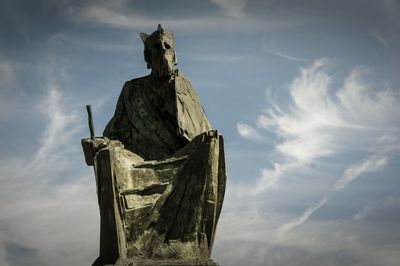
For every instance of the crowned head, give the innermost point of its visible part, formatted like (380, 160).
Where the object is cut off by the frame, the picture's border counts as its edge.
(159, 52)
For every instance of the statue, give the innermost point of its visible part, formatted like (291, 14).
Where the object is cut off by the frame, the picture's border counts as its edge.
(160, 168)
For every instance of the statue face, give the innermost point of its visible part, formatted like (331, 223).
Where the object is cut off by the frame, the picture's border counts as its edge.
(159, 53)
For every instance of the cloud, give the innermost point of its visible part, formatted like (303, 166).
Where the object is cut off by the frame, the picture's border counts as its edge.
(62, 125)
(248, 132)
(234, 8)
(303, 218)
(288, 57)
(371, 164)
(108, 15)
(269, 176)
(48, 199)
(374, 208)
(382, 40)
(121, 14)
(245, 220)
(118, 18)
(271, 48)
(311, 114)
(322, 121)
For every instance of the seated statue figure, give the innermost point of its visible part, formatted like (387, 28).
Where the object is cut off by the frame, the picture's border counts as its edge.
(160, 169)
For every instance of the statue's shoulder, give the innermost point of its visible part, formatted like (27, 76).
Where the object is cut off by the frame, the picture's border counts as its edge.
(134, 85)
(137, 81)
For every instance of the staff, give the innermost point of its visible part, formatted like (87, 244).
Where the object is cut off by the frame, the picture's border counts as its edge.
(90, 121)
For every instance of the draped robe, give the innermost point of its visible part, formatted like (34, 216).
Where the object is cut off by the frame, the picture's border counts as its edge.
(160, 175)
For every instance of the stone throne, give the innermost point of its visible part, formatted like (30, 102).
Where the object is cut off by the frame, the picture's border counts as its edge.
(160, 169)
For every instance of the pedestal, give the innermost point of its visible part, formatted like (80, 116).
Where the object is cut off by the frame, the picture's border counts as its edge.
(141, 262)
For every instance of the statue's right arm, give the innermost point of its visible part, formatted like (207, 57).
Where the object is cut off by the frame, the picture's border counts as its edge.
(91, 147)
(112, 126)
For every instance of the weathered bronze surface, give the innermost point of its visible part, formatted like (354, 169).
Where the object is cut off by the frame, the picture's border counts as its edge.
(160, 169)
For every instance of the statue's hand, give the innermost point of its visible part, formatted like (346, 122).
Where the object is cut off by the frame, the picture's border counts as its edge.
(91, 147)
(99, 143)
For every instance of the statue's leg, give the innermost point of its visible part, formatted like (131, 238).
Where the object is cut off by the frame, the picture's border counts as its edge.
(190, 209)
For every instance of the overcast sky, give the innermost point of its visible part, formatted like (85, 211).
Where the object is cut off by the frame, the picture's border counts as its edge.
(306, 93)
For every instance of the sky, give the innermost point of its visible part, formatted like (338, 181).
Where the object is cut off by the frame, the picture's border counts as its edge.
(306, 94)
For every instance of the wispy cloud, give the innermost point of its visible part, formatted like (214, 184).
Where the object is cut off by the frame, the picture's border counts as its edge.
(48, 188)
(62, 125)
(379, 37)
(271, 48)
(122, 15)
(322, 122)
(118, 18)
(108, 15)
(248, 132)
(271, 175)
(371, 164)
(234, 8)
(303, 218)
(376, 207)
(288, 57)
(319, 242)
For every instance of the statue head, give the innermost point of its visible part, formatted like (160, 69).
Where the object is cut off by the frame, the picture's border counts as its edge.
(159, 52)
